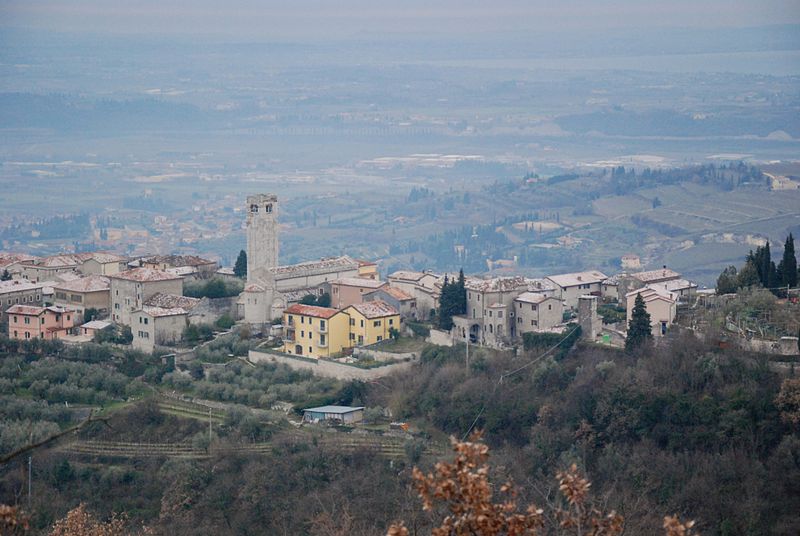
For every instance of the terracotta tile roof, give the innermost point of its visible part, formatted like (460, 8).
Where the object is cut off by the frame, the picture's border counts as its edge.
(90, 283)
(179, 260)
(7, 259)
(653, 276)
(365, 263)
(330, 263)
(171, 301)
(17, 285)
(311, 310)
(25, 310)
(652, 293)
(106, 258)
(293, 296)
(407, 275)
(161, 311)
(374, 309)
(144, 275)
(532, 297)
(497, 284)
(397, 293)
(578, 278)
(254, 287)
(358, 282)
(59, 261)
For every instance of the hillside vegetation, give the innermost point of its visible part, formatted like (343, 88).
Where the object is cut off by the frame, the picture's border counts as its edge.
(685, 429)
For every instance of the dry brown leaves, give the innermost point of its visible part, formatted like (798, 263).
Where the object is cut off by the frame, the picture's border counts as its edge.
(674, 527)
(12, 521)
(79, 522)
(463, 487)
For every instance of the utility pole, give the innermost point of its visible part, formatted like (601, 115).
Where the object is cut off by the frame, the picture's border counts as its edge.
(467, 353)
(209, 425)
(30, 465)
(30, 472)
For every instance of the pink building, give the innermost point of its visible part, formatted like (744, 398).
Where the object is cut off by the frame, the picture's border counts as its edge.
(31, 322)
(348, 291)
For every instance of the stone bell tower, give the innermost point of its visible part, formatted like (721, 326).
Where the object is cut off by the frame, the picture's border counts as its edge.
(262, 236)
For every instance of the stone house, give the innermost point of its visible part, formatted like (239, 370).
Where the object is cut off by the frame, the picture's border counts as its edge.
(536, 311)
(399, 299)
(92, 291)
(570, 287)
(100, 263)
(131, 288)
(19, 291)
(661, 305)
(183, 265)
(424, 286)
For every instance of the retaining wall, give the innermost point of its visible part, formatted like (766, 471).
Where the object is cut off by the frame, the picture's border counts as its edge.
(440, 338)
(329, 369)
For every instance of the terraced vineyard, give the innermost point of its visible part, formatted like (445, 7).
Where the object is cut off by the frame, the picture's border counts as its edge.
(387, 447)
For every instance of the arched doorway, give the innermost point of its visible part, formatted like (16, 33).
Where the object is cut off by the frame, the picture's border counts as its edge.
(298, 349)
(474, 333)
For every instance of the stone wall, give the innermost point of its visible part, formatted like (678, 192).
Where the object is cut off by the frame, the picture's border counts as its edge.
(209, 310)
(785, 346)
(327, 369)
(440, 338)
(376, 354)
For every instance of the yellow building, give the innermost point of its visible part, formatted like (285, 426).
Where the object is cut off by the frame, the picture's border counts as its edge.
(315, 331)
(367, 269)
(371, 322)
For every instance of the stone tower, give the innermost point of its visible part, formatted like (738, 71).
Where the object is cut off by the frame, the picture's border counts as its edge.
(588, 317)
(262, 236)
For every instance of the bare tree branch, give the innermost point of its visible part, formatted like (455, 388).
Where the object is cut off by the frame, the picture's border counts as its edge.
(33, 446)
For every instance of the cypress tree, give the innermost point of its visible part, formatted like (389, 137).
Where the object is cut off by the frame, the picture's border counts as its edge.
(240, 268)
(639, 329)
(788, 266)
(765, 266)
(462, 293)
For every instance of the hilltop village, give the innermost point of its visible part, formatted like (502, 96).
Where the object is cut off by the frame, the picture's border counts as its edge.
(322, 308)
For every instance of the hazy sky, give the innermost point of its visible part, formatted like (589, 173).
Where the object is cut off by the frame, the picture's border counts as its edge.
(303, 19)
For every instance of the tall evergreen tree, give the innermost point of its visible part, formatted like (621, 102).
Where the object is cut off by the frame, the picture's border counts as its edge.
(461, 293)
(639, 328)
(765, 262)
(453, 301)
(788, 265)
(240, 268)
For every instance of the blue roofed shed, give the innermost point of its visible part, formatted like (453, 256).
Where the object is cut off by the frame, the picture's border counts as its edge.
(343, 414)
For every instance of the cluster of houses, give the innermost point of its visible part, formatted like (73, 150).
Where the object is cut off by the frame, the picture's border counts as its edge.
(501, 310)
(47, 297)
